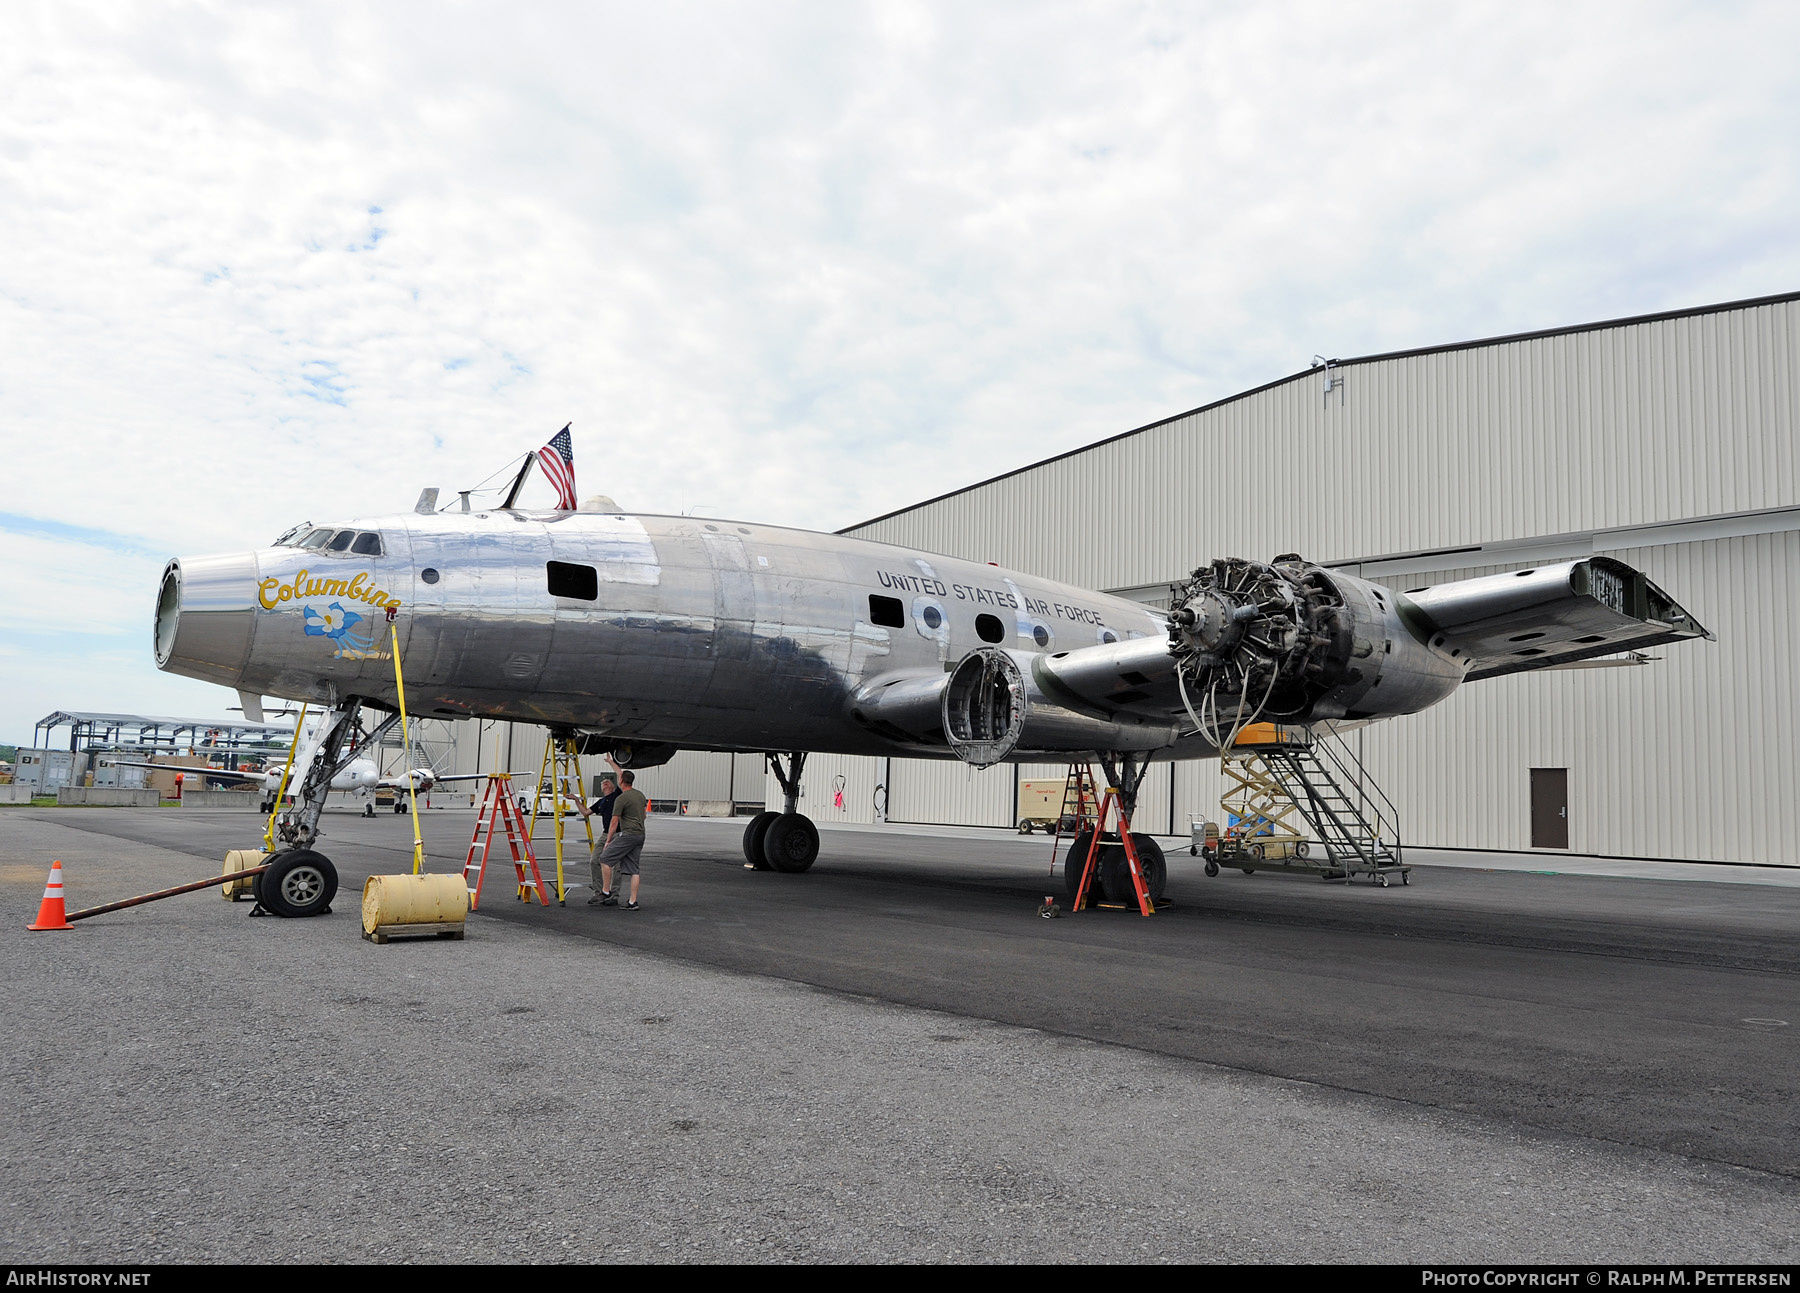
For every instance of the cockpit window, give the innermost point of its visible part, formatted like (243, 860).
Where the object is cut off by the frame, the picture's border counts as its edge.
(340, 540)
(368, 544)
(316, 539)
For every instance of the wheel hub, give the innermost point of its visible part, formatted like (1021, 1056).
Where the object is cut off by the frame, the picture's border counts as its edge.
(302, 885)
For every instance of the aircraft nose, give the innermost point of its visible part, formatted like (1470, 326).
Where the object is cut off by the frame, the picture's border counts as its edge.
(203, 616)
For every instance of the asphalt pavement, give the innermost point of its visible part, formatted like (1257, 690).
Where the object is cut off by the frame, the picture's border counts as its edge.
(892, 1058)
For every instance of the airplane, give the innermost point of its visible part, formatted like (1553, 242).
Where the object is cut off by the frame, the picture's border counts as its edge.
(641, 635)
(358, 777)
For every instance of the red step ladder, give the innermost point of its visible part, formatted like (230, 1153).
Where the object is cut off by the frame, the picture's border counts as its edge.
(1090, 865)
(1079, 801)
(498, 803)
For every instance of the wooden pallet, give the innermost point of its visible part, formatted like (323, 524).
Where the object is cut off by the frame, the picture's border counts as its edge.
(426, 929)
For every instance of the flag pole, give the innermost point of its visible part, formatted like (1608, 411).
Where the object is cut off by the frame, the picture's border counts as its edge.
(512, 495)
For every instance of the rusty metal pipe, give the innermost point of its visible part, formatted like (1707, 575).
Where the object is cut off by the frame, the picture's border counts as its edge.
(139, 901)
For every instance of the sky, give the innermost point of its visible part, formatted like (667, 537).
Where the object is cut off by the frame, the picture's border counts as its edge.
(794, 263)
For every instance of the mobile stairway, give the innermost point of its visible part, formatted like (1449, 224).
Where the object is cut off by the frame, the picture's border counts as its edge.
(1356, 824)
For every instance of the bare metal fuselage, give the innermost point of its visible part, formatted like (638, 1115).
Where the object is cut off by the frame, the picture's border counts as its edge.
(708, 634)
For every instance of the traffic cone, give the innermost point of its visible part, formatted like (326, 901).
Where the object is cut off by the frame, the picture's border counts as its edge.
(51, 913)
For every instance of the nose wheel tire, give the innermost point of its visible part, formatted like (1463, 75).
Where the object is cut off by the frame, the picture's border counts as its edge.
(791, 844)
(298, 882)
(753, 840)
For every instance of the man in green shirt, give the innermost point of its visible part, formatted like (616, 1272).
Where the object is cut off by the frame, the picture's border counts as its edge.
(624, 843)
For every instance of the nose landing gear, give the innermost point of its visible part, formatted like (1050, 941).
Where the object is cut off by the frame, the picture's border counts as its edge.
(301, 881)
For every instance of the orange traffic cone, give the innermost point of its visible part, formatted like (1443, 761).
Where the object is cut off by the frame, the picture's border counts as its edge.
(51, 912)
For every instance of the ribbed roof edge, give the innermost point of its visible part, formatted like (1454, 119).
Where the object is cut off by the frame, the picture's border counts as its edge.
(1506, 339)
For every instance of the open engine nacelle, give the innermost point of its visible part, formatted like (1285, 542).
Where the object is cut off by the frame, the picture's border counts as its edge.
(999, 703)
(1293, 642)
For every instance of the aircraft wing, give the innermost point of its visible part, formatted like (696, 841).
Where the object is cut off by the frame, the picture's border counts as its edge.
(194, 770)
(1550, 615)
(1283, 642)
(404, 780)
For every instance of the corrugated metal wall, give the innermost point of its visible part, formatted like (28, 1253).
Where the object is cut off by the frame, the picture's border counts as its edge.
(1632, 425)
(1628, 425)
(827, 799)
(1691, 756)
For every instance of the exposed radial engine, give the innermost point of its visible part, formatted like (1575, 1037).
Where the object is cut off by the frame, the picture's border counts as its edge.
(1287, 641)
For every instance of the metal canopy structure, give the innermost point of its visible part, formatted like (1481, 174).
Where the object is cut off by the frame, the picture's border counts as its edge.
(88, 730)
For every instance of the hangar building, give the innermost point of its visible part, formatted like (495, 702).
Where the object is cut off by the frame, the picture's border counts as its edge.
(1667, 441)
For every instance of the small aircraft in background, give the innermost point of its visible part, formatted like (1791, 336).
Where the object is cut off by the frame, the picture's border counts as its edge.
(359, 777)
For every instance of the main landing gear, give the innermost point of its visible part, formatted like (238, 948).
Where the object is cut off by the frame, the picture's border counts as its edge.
(785, 841)
(1126, 771)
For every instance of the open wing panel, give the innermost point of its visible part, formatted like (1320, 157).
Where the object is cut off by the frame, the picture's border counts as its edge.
(1532, 619)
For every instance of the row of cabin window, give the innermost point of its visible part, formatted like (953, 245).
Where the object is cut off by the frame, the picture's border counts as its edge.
(582, 583)
(364, 543)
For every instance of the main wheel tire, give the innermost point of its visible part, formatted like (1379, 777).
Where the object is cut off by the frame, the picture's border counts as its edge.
(299, 882)
(791, 843)
(1115, 870)
(753, 840)
(1156, 867)
(1072, 863)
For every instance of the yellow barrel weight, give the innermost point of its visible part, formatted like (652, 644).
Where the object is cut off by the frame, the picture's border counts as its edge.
(240, 860)
(414, 900)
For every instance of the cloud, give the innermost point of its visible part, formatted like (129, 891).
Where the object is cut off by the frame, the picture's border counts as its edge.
(806, 263)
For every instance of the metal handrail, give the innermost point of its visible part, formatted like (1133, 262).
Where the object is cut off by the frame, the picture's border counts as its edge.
(1350, 767)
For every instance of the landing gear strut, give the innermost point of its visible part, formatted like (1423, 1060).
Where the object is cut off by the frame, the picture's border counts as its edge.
(785, 841)
(300, 881)
(1113, 873)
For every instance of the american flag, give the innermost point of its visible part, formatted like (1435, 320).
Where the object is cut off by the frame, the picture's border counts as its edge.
(558, 462)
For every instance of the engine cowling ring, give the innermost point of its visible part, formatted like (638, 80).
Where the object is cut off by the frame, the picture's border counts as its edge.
(995, 708)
